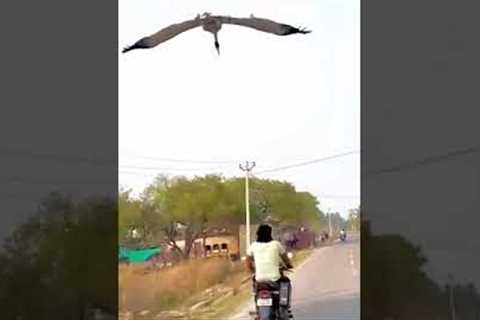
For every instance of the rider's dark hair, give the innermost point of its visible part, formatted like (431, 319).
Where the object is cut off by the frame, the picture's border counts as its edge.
(264, 233)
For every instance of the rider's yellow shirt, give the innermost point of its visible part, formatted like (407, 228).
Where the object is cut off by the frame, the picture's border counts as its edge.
(267, 259)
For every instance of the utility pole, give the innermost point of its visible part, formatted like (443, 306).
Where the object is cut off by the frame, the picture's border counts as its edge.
(329, 223)
(247, 168)
(452, 301)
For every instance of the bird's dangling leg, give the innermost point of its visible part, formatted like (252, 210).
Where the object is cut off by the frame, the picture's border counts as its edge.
(217, 44)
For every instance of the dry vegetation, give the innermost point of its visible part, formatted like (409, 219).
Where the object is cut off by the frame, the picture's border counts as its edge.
(197, 289)
(173, 287)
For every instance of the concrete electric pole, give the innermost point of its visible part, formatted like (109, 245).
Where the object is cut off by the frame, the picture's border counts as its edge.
(329, 224)
(247, 168)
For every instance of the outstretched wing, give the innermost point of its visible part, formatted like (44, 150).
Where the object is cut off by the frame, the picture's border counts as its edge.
(164, 34)
(264, 25)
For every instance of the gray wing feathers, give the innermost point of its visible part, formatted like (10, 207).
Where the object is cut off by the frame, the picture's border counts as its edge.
(172, 31)
(264, 25)
(164, 35)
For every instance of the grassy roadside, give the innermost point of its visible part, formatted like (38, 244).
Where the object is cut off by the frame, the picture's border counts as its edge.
(301, 256)
(230, 305)
(169, 289)
(197, 290)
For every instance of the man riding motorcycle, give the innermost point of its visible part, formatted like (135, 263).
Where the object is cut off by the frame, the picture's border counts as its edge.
(265, 258)
(343, 235)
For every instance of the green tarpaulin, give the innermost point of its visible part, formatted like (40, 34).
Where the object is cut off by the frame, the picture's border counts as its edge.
(137, 256)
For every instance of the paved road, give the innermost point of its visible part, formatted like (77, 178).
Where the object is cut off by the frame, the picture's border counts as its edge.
(326, 286)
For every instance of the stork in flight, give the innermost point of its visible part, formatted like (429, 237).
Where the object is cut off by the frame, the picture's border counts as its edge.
(213, 24)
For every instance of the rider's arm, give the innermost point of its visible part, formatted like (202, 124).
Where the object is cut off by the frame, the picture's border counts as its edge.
(249, 262)
(286, 261)
(284, 256)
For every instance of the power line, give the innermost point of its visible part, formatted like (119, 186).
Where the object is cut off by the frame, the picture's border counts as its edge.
(153, 175)
(94, 160)
(425, 161)
(170, 168)
(327, 196)
(181, 160)
(309, 162)
(19, 180)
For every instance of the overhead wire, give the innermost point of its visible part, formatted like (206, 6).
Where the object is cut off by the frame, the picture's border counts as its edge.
(92, 159)
(168, 168)
(425, 161)
(179, 160)
(301, 164)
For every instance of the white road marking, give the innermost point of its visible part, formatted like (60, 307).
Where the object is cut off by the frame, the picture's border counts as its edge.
(352, 263)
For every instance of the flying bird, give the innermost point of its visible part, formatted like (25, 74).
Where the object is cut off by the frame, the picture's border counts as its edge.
(213, 24)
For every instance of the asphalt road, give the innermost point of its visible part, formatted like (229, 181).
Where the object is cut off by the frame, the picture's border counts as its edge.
(326, 286)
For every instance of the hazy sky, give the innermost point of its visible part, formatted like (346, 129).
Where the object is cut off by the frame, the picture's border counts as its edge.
(270, 99)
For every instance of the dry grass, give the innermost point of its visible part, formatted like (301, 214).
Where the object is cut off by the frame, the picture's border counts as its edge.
(169, 288)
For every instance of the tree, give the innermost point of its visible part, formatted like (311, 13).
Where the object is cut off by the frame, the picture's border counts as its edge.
(201, 203)
(395, 284)
(162, 223)
(353, 221)
(194, 204)
(129, 214)
(281, 201)
(61, 260)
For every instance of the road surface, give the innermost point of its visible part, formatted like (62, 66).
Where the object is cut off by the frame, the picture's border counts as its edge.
(326, 286)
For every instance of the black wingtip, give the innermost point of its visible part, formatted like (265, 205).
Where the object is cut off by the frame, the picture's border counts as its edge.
(303, 30)
(141, 44)
(126, 49)
(292, 30)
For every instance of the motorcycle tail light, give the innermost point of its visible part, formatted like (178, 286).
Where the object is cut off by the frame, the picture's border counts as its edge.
(264, 294)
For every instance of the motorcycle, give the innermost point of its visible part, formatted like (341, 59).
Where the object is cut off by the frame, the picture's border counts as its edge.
(343, 237)
(272, 299)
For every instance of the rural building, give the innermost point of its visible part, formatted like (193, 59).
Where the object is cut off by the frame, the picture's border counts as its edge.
(230, 242)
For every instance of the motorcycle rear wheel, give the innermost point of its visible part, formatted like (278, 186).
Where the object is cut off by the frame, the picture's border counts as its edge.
(283, 313)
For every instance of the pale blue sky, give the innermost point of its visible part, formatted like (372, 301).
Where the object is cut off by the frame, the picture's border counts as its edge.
(274, 100)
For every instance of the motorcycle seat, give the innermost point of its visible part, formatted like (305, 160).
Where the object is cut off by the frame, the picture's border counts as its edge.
(267, 285)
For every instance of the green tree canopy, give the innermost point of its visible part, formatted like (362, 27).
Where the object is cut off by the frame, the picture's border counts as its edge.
(60, 261)
(174, 208)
